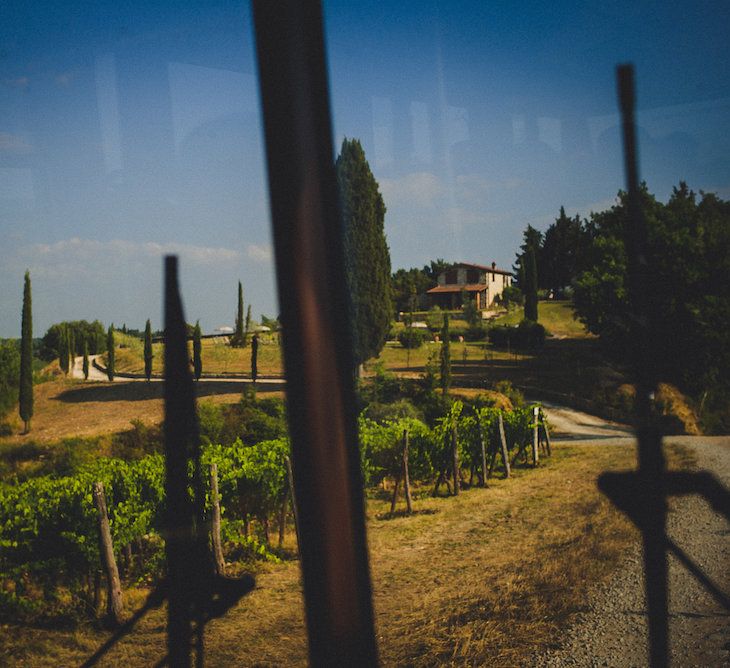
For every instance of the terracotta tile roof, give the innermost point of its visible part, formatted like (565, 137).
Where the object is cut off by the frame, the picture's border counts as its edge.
(482, 267)
(471, 287)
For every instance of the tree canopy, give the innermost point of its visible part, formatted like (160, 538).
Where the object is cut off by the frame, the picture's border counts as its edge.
(367, 257)
(688, 290)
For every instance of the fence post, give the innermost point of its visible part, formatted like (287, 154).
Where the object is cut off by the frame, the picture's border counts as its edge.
(406, 477)
(455, 453)
(535, 427)
(215, 528)
(546, 432)
(484, 453)
(503, 446)
(114, 603)
(295, 511)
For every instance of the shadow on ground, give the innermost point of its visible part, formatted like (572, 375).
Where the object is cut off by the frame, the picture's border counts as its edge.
(140, 391)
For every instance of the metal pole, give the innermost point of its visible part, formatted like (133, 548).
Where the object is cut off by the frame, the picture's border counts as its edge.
(651, 458)
(316, 332)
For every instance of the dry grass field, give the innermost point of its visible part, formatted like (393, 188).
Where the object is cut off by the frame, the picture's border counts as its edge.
(481, 579)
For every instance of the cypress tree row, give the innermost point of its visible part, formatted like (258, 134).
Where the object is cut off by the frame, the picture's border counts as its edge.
(238, 335)
(367, 258)
(148, 350)
(110, 352)
(25, 394)
(530, 271)
(85, 363)
(445, 357)
(197, 351)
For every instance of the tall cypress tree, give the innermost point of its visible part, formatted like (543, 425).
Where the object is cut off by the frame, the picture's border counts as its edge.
(25, 394)
(367, 258)
(110, 352)
(197, 352)
(445, 357)
(85, 363)
(238, 335)
(530, 272)
(255, 359)
(148, 350)
(247, 331)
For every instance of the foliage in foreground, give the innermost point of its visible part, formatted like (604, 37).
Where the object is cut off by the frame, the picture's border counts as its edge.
(49, 553)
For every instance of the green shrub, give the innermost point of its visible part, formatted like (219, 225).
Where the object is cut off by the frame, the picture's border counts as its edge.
(412, 338)
(527, 334)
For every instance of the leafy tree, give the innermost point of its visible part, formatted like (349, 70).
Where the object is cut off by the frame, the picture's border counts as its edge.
(9, 374)
(148, 350)
(531, 239)
(110, 352)
(71, 350)
(406, 285)
(197, 352)
(688, 290)
(85, 363)
(237, 339)
(63, 349)
(92, 332)
(561, 252)
(367, 258)
(25, 392)
(445, 356)
(530, 269)
(471, 312)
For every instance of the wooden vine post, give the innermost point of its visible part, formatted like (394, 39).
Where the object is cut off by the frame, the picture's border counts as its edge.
(290, 475)
(115, 605)
(503, 446)
(455, 453)
(406, 476)
(215, 525)
(535, 429)
(546, 433)
(484, 453)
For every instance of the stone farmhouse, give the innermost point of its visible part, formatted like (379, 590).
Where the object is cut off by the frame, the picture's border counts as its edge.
(475, 281)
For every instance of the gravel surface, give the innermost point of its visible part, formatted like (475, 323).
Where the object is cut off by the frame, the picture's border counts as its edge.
(613, 630)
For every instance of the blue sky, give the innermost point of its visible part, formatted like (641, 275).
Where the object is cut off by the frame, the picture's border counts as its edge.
(130, 130)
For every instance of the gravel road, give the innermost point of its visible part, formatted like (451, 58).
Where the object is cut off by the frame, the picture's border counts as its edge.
(613, 630)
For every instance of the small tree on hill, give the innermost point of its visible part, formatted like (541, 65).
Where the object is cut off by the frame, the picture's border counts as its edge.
(197, 352)
(445, 357)
(530, 272)
(25, 393)
(110, 352)
(85, 363)
(148, 350)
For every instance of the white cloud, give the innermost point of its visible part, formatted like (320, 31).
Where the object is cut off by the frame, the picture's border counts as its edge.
(10, 143)
(19, 82)
(88, 257)
(417, 189)
(259, 252)
(473, 187)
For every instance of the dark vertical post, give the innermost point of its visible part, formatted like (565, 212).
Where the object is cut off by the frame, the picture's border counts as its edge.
(317, 340)
(406, 476)
(651, 457)
(184, 541)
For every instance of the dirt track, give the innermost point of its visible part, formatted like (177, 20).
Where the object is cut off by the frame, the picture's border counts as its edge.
(613, 630)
